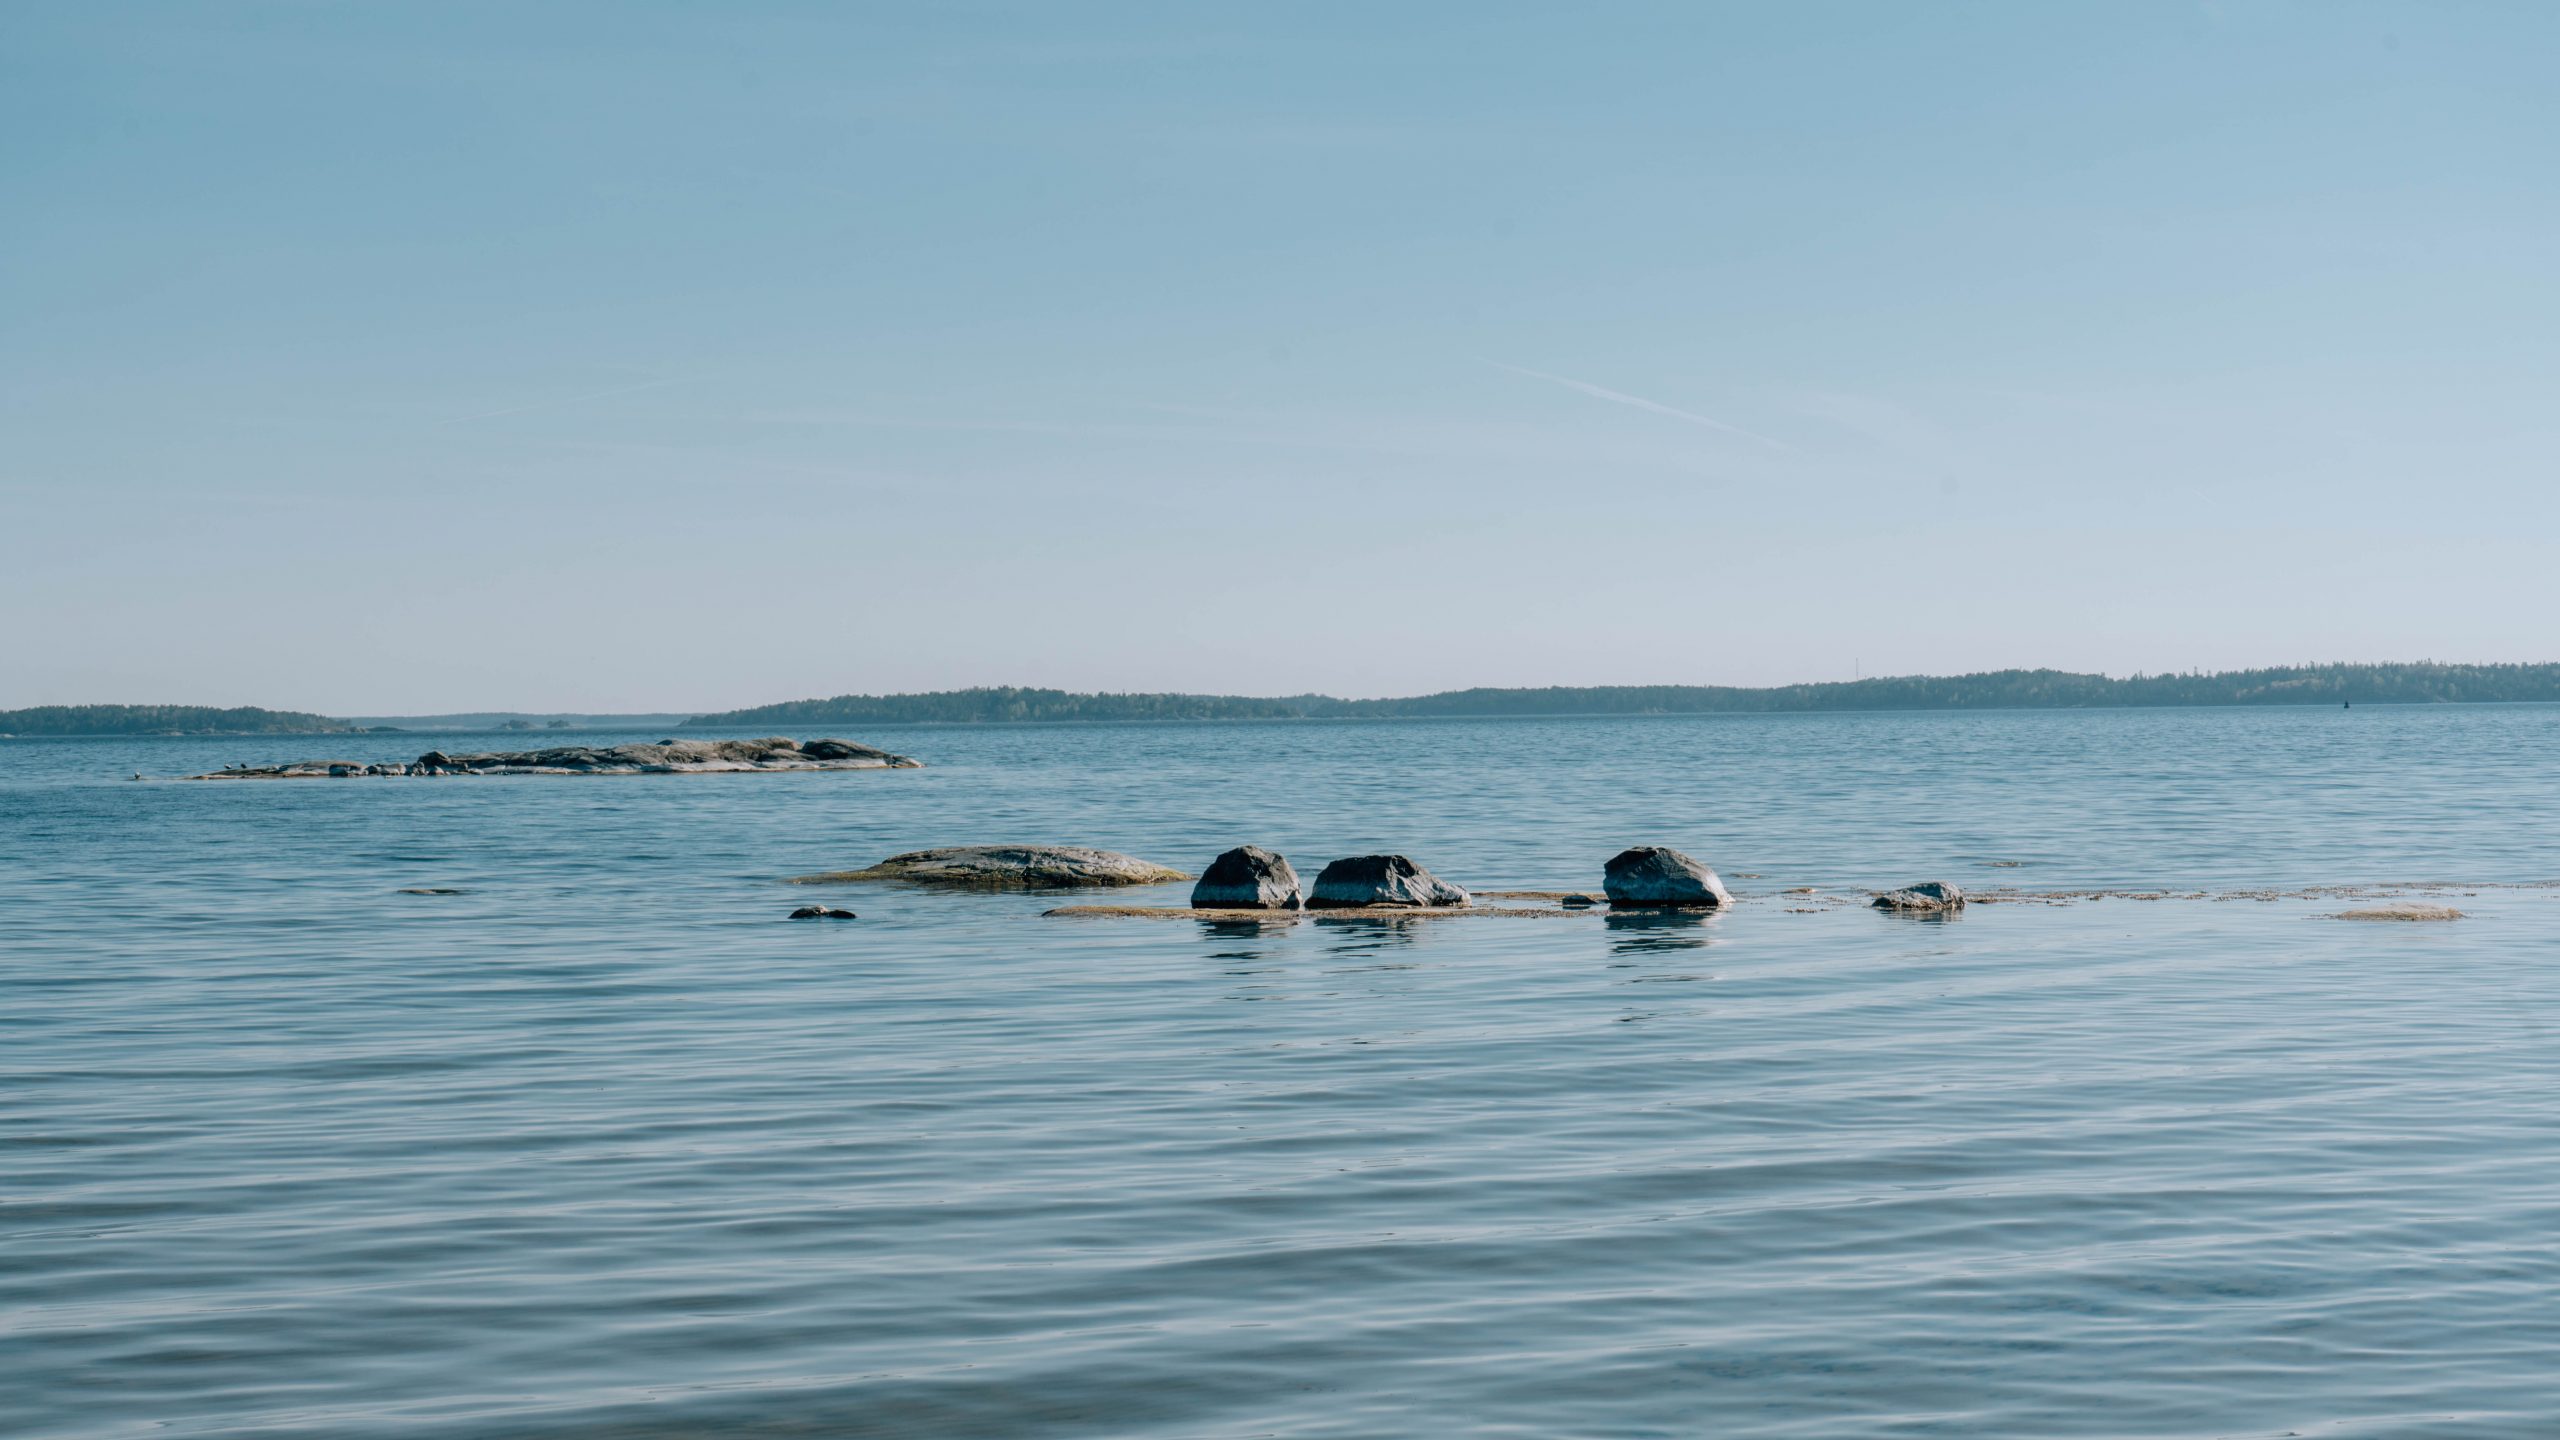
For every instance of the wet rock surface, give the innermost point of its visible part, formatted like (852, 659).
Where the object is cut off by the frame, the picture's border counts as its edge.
(1009, 867)
(667, 757)
(1657, 877)
(1380, 881)
(1248, 878)
(1929, 895)
(822, 912)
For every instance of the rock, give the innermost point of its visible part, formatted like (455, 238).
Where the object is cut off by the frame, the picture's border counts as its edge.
(1386, 881)
(821, 912)
(1010, 867)
(667, 757)
(1247, 878)
(1931, 895)
(433, 890)
(1577, 902)
(298, 770)
(1657, 877)
(2403, 910)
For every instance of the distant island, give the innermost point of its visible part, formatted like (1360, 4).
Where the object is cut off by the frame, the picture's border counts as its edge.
(513, 720)
(2411, 684)
(2424, 683)
(165, 720)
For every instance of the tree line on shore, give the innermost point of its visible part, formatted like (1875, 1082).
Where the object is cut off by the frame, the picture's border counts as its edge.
(165, 720)
(2390, 684)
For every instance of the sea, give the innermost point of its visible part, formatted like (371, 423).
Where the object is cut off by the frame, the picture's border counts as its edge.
(600, 1144)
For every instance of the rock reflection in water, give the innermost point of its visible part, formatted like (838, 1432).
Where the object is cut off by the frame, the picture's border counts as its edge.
(1358, 933)
(1244, 937)
(1648, 932)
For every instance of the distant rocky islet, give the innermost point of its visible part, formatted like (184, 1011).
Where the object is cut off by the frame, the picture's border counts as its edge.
(667, 757)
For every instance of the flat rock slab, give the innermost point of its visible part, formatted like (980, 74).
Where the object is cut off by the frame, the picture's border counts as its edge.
(667, 757)
(1008, 867)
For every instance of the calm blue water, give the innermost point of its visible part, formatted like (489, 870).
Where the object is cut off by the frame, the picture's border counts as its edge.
(605, 1147)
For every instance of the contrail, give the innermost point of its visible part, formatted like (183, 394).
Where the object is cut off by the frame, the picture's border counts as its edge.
(1620, 397)
(568, 400)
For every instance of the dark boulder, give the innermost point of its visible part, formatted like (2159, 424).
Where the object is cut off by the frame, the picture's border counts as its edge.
(1247, 878)
(1381, 882)
(821, 912)
(1656, 877)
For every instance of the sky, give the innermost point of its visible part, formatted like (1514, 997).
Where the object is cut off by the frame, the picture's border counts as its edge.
(405, 358)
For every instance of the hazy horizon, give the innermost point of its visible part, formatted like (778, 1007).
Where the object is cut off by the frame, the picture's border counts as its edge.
(398, 360)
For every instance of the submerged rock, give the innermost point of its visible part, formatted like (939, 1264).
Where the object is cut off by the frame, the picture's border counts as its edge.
(1010, 867)
(1247, 878)
(667, 757)
(1926, 896)
(2403, 910)
(1657, 877)
(303, 770)
(1381, 881)
(821, 912)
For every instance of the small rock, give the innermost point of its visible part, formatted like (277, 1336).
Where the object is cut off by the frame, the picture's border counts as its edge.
(1247, 878)
(821, 912)
(1928, 895)
(1577, 902)
(2403, 910)
(1381, 881)
(1656, 877)
(431, 890)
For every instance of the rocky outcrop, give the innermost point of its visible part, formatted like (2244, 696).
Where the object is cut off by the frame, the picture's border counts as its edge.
(1657, 877)
(1009, 867)
(1247, 878)
(303, 770)
(667, 757)
(1924, 898)
(822, 912)
(1366, 882)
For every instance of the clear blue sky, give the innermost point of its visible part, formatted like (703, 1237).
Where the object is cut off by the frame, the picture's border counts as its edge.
(374, 358)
